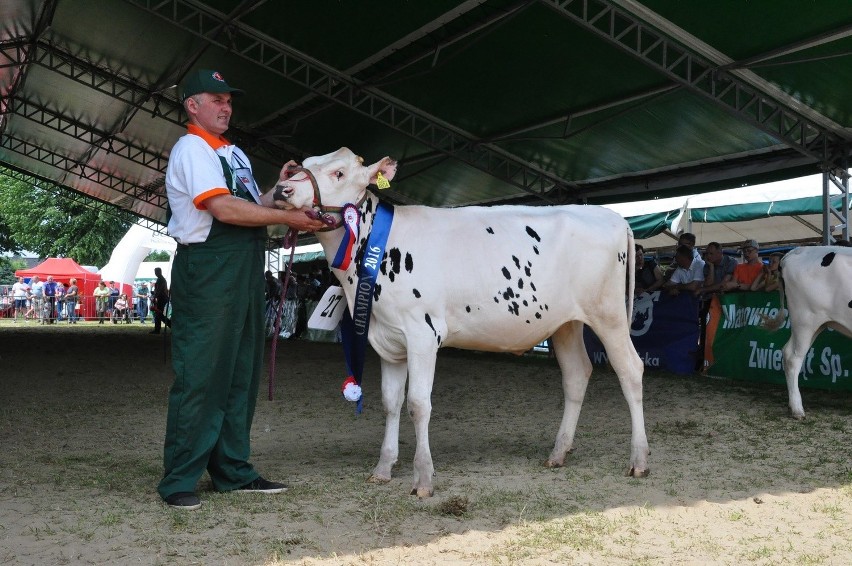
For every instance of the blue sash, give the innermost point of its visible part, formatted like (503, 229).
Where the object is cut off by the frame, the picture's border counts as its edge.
(354, 328)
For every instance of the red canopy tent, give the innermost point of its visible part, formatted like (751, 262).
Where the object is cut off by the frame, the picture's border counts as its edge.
(63, 269)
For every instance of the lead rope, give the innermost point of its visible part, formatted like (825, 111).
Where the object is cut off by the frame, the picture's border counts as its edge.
(289, 241)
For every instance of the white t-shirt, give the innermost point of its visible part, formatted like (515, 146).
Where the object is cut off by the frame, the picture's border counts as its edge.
(194, 174)
(694, 273)
(19, 290)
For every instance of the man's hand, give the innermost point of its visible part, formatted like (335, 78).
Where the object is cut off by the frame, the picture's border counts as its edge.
(302, 220)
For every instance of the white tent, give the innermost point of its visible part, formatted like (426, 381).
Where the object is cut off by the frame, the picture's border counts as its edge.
(782, 212)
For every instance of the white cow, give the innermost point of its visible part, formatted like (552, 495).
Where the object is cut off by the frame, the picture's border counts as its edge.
(816, 281)
(495, 279)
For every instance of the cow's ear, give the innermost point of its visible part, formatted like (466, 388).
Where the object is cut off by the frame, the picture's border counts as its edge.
(387, 167)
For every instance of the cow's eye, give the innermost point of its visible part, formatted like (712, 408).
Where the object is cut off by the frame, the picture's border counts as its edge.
(338, 174)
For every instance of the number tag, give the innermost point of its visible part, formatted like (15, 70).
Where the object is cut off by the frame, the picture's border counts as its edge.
(329, 310)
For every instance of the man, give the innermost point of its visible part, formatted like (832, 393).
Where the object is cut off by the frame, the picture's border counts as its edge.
(718, 272)
(142, 293)
(160, 301)
(718, 269)
(746, 272)
(688, 276)
(217, 300)
(19, 294)
(50, 298)
(36, 299)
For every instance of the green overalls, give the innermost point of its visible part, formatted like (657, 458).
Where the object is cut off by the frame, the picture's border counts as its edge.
(217, 356)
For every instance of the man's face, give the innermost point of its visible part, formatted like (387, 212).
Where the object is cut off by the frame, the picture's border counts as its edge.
(750, 253)
(683, 261)
(211, 111)
(714, 255)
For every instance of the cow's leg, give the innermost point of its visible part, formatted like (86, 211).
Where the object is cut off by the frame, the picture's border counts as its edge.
(795, 351)
(421, 375)
(629, 367)
(576, 369)
(393, 393)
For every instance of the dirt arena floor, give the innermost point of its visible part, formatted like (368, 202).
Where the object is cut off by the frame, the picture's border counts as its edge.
(733, 479)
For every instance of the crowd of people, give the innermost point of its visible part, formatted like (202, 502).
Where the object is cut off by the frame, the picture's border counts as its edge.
(51, 302)
(713, 271)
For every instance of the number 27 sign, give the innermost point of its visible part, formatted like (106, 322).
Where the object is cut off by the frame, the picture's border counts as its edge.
(329, 310)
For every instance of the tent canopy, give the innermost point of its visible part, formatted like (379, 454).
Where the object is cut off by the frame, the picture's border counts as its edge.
(779, 212)
(61, 268)
(497, 101)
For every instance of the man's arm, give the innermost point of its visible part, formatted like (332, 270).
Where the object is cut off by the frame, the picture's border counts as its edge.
(231, 210)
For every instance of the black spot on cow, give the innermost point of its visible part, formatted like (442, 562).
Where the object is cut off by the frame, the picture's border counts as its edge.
(467, 308)
(395, 260)
(532, 286)
(527, 271)
(429, 322)
(826, 261)
(533, 234)
(538, 315)
(409, 262)
(506, 273)
(391, 276)
(513, 308)
(416, 293)
(508, 293)
(490, 230)
(350, 280)
(520, 283)
(496, 300)
(517, 262)
(526, 304)
(377, 290)
(850, 304)
(535, 249)
(547, 308)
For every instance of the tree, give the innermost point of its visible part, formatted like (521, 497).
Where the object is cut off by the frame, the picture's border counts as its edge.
(157, 255)
(8, 267)
(50, 224)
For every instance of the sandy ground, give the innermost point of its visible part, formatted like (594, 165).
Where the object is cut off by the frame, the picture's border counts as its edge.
(733, 479)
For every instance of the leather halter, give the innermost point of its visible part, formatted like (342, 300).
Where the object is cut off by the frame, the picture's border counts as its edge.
(323, 212)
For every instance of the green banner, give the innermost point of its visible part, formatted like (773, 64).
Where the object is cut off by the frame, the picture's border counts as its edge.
(742, 350)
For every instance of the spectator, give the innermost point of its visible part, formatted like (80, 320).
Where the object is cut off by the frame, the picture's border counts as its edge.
(20, 290)
(160, 301)
(120, 310)
(649, 277)
(49, 300)
(113, 294)
(60, 300)
(718, 269)
(72, 295)
(36, 299)
(685, 239)
(688, 276)
(273, 287)
(101, 294)
(769, 275)
(746, 272)
(142, 295)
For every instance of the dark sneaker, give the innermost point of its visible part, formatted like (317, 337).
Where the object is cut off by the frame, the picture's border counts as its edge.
(185, 500)
(261, 485)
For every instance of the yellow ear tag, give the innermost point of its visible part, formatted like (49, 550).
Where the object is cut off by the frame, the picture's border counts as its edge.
(381, 182)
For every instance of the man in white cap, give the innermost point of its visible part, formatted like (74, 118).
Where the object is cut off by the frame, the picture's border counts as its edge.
(217, 300)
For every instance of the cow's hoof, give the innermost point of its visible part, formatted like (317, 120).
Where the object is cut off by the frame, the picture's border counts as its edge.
(638, 473)
(377, 479)
(422, 492)
(798, 416)
(553, 464)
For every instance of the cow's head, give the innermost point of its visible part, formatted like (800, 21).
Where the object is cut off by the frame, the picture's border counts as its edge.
(341, 178)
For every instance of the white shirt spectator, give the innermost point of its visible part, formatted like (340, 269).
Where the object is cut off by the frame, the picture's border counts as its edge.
(695, 272)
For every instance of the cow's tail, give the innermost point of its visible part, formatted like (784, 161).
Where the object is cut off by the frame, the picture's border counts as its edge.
(773, 323)
(631, 273)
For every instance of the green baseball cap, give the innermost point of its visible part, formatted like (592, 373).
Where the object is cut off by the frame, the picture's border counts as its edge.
(206, 80)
